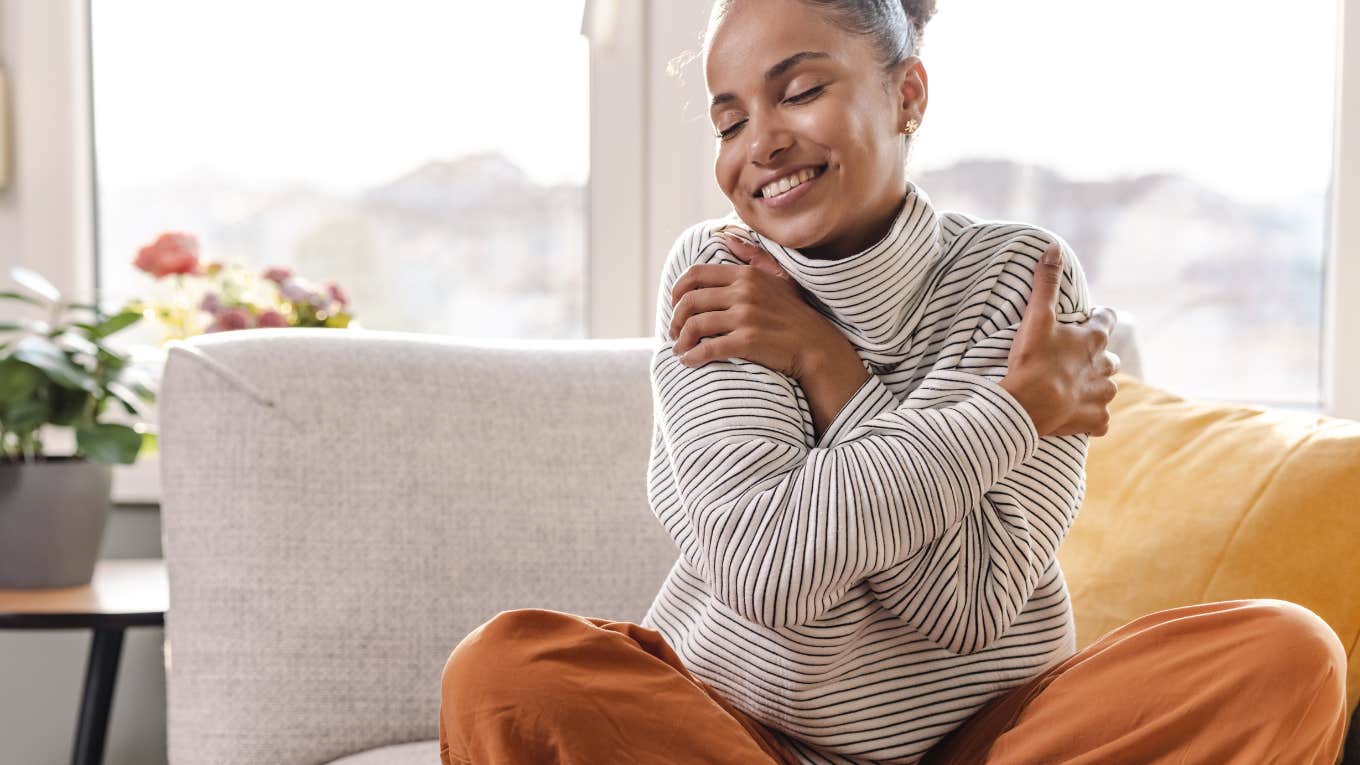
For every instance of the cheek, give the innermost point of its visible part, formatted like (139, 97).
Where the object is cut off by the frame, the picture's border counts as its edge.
(727, 172)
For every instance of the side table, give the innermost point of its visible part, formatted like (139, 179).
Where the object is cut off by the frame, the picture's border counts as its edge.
(124, 593)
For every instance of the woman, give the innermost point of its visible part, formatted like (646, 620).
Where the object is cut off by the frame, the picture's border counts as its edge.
(872, 421)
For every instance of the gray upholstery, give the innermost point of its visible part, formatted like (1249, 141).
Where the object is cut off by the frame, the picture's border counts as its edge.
(340, 508)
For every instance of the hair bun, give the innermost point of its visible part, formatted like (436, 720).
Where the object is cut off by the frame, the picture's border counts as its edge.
(919, 12)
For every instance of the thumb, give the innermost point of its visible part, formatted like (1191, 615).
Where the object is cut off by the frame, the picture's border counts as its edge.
(1043, 300)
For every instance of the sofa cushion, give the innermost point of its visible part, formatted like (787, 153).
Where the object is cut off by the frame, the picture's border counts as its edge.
(415, 753)
(1195, 501)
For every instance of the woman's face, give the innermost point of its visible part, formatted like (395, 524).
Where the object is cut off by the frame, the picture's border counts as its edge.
(796, 98)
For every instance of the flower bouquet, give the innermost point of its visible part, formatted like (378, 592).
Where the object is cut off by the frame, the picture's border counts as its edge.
(218, 297)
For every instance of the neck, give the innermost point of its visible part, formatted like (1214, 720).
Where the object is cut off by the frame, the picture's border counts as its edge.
(875, 225)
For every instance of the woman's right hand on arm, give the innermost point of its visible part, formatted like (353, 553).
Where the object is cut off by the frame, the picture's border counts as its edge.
(1060, 373)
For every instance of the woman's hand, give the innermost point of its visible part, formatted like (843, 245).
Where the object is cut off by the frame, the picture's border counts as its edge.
(1060, 373)
(755, 312)
(759, 313)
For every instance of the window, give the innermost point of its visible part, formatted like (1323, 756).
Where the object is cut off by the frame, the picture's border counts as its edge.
(1183, 149)
(429, 157)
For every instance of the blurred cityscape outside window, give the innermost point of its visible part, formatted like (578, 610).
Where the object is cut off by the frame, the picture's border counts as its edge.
(430, 157)
(1182, 147)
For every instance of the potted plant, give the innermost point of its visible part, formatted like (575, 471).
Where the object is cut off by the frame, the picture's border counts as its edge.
(61, 372)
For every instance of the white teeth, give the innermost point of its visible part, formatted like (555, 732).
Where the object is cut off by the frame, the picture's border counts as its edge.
(782, 185)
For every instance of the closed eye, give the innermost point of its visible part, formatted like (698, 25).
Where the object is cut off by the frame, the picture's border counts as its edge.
(731, 131)
(805, 96)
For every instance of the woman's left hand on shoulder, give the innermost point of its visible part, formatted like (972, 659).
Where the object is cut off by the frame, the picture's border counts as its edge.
(754, 311)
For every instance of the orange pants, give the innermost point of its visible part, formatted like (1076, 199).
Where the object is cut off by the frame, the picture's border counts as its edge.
(1238, 681)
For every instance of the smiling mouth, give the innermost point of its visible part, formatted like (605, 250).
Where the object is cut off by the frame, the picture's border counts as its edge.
(789, 182)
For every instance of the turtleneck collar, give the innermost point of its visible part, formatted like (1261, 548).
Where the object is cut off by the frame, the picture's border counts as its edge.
(873, 294)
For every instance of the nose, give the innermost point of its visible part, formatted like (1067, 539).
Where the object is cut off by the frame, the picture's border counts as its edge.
(769, 138)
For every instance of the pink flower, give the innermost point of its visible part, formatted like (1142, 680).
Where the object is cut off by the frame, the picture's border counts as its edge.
(231, 318)
(337, 294)
(277, 274)
(210, 303)
(271, 318)
(292, 290)
(171, 253)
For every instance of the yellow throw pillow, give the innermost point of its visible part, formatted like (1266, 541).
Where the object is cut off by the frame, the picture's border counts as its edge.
(1194, 501)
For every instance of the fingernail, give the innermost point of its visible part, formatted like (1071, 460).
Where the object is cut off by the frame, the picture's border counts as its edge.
(1051, 257)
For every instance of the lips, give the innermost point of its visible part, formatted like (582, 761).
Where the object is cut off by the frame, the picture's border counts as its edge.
(788, 182)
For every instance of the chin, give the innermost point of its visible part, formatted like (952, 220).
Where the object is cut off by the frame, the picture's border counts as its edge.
(807, 229)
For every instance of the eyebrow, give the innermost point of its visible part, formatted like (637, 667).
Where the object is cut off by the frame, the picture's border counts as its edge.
(775, 71)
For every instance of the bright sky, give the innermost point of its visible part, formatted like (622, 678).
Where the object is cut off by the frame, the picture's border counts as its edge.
(342, 94)
(1236, 93)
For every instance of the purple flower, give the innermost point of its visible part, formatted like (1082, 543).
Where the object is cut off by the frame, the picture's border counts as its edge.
(210, 303)
(231, 318)
(292, 290)
(278, 274)
(337, 294)
(271, 318)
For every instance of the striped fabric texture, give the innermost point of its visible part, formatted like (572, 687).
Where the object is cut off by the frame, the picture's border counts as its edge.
(864, 591)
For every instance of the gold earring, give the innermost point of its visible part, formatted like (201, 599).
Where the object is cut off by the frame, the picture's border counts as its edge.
(910, 127)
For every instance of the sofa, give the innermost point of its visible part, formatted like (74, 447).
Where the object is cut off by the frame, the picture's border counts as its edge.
(340, 507)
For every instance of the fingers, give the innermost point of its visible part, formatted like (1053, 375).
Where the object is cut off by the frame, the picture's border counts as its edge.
(739, 247)
(701, 329)
(1100, 325)
(1104, 317)
(1043, 300)
(695, 302)
(728, 346)
(1092, 415)
(1107, 363)
(753, 256)
(704, 275)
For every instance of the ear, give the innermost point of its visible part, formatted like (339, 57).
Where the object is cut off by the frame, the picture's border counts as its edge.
(912, 89)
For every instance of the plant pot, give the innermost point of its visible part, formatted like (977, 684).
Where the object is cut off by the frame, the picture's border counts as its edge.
(52, 518)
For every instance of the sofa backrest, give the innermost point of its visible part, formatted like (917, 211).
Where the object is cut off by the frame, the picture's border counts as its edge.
(340, 508)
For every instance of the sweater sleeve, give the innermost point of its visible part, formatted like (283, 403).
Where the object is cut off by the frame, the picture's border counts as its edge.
(784, 527)
(965, 588)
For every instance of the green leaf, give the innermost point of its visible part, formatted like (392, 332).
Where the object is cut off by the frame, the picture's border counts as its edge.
(26, 325)
(112, 361)
(68, 406)
(75, 343)
(115, 323)
(109, 443)
(17, 380)
(151, 443)
(127, 397)
(35, 282)
(24, 416)
(12, 295)
(45, 355)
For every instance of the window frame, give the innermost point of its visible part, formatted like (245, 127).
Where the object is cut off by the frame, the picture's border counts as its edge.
(638, 198)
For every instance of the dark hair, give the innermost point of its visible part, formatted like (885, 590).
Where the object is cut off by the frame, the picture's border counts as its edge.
(896, 26)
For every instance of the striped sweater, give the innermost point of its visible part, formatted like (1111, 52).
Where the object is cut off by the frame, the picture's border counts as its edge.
(864, 591)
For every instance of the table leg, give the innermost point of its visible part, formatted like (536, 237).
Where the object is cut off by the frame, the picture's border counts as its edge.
(97, 698)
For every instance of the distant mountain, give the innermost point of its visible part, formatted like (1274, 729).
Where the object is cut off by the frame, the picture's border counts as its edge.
(1106, 221)
(473, 245)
